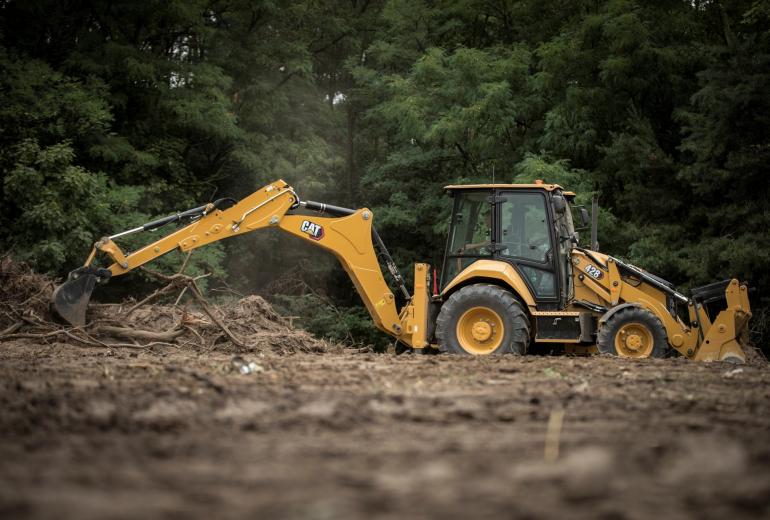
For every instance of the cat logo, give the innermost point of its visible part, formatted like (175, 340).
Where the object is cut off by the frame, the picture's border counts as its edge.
(315, 231)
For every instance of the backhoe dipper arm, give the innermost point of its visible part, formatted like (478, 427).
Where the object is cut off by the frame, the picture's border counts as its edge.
(349, 236)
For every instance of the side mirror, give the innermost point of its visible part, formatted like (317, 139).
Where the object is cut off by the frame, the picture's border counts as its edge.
(595, 223)
(584, 218)
(559, 204)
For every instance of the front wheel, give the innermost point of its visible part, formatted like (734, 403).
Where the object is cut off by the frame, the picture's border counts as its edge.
(633, 332)
(482, 319)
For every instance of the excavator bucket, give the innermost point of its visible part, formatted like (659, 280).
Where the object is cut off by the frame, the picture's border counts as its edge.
(725, 338)
(70, 300)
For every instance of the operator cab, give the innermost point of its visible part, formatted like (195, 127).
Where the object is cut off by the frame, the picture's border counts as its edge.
(528, 226)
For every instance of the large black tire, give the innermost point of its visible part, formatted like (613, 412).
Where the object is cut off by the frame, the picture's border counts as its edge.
(489, 299)
(633, 332)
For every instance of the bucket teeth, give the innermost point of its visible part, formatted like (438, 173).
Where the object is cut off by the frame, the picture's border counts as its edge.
(70, 300)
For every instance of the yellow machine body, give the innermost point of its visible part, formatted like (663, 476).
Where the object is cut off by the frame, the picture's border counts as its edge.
(709, 341)
(599, 286)
(350, 237)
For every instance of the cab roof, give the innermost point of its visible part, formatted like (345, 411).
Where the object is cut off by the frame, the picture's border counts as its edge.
(536, 185)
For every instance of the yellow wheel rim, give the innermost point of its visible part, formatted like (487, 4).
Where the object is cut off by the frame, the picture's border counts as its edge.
(480, 330)
(634, 340)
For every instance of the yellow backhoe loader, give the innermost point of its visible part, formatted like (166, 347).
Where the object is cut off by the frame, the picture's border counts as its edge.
(514, 275)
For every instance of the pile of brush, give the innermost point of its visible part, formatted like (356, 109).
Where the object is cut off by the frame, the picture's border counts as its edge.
(247, 325)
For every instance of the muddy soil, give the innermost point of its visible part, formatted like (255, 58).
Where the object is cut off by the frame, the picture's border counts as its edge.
(173, 433)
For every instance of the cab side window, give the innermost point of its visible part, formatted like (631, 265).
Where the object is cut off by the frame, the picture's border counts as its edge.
(524, 226)
(524, 235)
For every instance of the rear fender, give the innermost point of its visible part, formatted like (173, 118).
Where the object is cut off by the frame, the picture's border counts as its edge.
(492, 271)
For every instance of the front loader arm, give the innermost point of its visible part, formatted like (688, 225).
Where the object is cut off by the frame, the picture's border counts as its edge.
(349, 238)
(600, 281)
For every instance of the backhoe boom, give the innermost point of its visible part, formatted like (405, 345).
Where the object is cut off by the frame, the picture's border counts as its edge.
(349, 236)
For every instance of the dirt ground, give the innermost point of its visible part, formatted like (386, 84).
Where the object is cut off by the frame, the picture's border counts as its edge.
(90, 432)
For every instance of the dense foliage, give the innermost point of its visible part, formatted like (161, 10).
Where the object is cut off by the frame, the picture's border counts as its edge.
(113, 112)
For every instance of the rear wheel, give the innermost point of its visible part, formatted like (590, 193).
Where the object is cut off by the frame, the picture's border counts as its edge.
(482, 319)
(633, 332)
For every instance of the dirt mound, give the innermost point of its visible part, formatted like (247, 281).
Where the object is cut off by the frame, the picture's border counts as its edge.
(247, 325)
(250, 312)
(251, 320)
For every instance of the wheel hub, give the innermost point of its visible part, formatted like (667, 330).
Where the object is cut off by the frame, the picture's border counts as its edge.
(634, 340)
(481, 331)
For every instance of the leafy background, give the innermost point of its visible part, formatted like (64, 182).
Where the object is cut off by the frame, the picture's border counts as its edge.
(115, 112)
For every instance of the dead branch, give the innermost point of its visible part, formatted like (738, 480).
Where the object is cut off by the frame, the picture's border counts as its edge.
(180, 279)
(227, 289)
(173, 282)
(148, 299)
(29, 335)
(197, 334)
(13, 328)
(93, 342)
(164, 277)
(184, 263)
(94, 339)
(179, 298)
(184, 289)
(37, 294)
(204, 304)
(124, 332)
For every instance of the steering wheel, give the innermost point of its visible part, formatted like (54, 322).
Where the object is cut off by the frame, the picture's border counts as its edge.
(540, 245)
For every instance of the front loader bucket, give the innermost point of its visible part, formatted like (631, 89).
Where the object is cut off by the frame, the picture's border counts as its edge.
(70, 300)
(723, 341)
